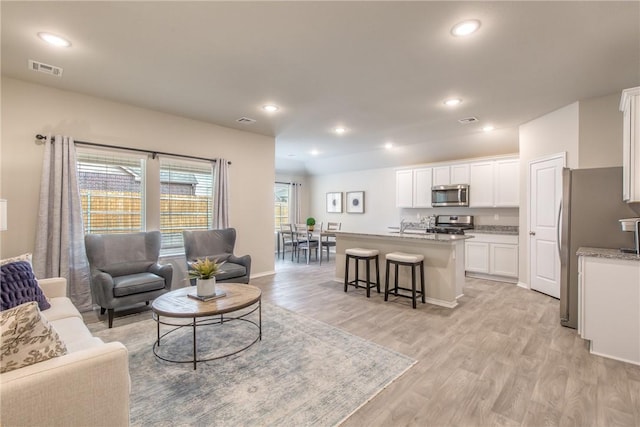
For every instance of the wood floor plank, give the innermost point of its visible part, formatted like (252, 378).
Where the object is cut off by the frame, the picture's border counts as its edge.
(501, 358)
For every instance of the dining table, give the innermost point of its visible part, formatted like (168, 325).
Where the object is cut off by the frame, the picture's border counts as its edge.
(322, 236)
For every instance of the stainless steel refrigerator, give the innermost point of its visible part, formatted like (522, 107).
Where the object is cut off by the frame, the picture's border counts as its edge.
(591, 207)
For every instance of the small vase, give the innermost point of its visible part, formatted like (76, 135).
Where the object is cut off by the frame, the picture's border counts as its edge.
(206, 287)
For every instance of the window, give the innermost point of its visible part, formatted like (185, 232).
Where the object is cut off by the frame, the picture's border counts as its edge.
(112, 192)
(281, 193)
(186, 199)
(112, 187)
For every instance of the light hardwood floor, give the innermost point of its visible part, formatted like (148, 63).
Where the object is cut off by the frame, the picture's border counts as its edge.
(500, 358)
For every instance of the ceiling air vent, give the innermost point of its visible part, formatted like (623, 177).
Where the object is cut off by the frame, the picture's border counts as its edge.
(246, 120)
(45, 68)
(468, 120)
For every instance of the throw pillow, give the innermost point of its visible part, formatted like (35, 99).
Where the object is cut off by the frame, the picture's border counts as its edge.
(27, 338)
(24, 257)
(18, 285)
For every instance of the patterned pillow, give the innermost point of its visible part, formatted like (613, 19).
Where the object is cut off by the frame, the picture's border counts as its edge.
(18, 285)
(24, 257)
(27, 338)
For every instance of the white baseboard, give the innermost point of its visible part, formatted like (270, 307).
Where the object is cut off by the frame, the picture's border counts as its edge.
(524, 285)
(262, 274)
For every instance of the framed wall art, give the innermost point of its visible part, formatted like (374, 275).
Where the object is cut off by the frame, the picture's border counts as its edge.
(355, 201)
(334, 202)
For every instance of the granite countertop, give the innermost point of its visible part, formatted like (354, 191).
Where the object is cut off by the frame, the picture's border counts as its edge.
(495, 229)
(410, 235)
(607, 253)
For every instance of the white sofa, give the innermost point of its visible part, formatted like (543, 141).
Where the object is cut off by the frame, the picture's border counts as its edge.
(88, 386)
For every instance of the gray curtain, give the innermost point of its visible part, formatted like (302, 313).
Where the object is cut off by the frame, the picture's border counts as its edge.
(59, 249)
(221, 194)
(295, 203)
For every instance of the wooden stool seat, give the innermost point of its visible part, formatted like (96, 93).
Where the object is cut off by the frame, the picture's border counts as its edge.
(367, 255)
(410, 260)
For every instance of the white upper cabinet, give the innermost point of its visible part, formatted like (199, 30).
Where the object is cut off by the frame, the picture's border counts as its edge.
(422, 183)
(404, 188)
(630, 107)
(481, 180)
(451, 174)
(507, 183)
(441, 175)
(460, 173)
(492, 183)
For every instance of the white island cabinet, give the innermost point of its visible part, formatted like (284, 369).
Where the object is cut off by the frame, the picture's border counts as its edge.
(609, 303)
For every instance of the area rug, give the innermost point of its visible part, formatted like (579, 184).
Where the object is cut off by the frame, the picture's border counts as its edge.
(302, 373)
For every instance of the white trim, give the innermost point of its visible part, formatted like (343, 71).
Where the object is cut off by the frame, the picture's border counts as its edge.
(523, 285)
(441, 303)
(493, 277)
(262, 274)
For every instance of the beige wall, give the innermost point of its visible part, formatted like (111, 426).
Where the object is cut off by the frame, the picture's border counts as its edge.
(29, 109)
(588, 131)
(600, 130)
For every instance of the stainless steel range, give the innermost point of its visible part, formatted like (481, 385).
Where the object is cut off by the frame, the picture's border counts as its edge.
(452, 224)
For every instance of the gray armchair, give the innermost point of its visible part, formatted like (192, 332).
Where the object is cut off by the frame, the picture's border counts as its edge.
(217, 245)
(125, 269)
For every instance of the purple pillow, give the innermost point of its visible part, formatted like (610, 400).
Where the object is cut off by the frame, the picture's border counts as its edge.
(18, 285)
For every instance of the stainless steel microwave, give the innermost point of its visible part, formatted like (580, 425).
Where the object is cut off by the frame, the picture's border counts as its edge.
(450, 195)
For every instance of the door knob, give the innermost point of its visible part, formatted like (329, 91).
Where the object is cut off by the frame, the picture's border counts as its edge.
(532, 233)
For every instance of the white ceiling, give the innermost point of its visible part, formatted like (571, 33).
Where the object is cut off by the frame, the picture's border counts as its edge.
(381, 69)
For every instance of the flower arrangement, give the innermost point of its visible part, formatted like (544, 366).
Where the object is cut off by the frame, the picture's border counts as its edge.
(204, 268)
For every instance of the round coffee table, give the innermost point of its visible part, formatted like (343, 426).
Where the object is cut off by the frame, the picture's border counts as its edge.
(178, 305)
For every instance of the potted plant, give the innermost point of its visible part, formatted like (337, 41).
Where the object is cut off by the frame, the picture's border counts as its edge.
(311, 222)
(204, 271)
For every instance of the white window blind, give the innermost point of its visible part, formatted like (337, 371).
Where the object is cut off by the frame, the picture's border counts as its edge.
(281, 203)
(186, 199)
(112, 191)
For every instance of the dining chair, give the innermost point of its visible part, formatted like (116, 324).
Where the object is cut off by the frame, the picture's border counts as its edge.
(305, 241)
(288, 239)
(327, 239)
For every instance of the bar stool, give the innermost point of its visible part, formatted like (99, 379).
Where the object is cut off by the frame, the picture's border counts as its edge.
(410, 260)
(359, 254)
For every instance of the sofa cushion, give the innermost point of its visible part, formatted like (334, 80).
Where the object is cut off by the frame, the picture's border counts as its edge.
(231, 270)
(72, 331)
(61, 308)
(136, 284)
(18, 285)
(27, 338)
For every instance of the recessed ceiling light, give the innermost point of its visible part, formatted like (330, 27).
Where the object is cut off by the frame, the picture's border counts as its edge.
(465, 28)
(314, 152)
(488, 128)
(452, 101)
(388, 145)
(54, 40)
(270, 108)
(340, 130)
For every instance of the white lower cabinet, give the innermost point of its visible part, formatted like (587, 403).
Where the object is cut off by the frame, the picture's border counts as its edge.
(609, 307)
(494, 256)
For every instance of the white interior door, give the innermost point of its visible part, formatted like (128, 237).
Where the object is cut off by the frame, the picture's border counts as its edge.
(545, 178)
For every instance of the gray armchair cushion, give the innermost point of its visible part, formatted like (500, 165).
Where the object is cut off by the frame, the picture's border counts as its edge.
(136, 284)
(218, 245)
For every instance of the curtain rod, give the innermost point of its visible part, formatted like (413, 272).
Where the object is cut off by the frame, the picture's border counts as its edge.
(139, 150)
(288, 183)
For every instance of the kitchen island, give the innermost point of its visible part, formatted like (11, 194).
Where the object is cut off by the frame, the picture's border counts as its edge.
(443, 259)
